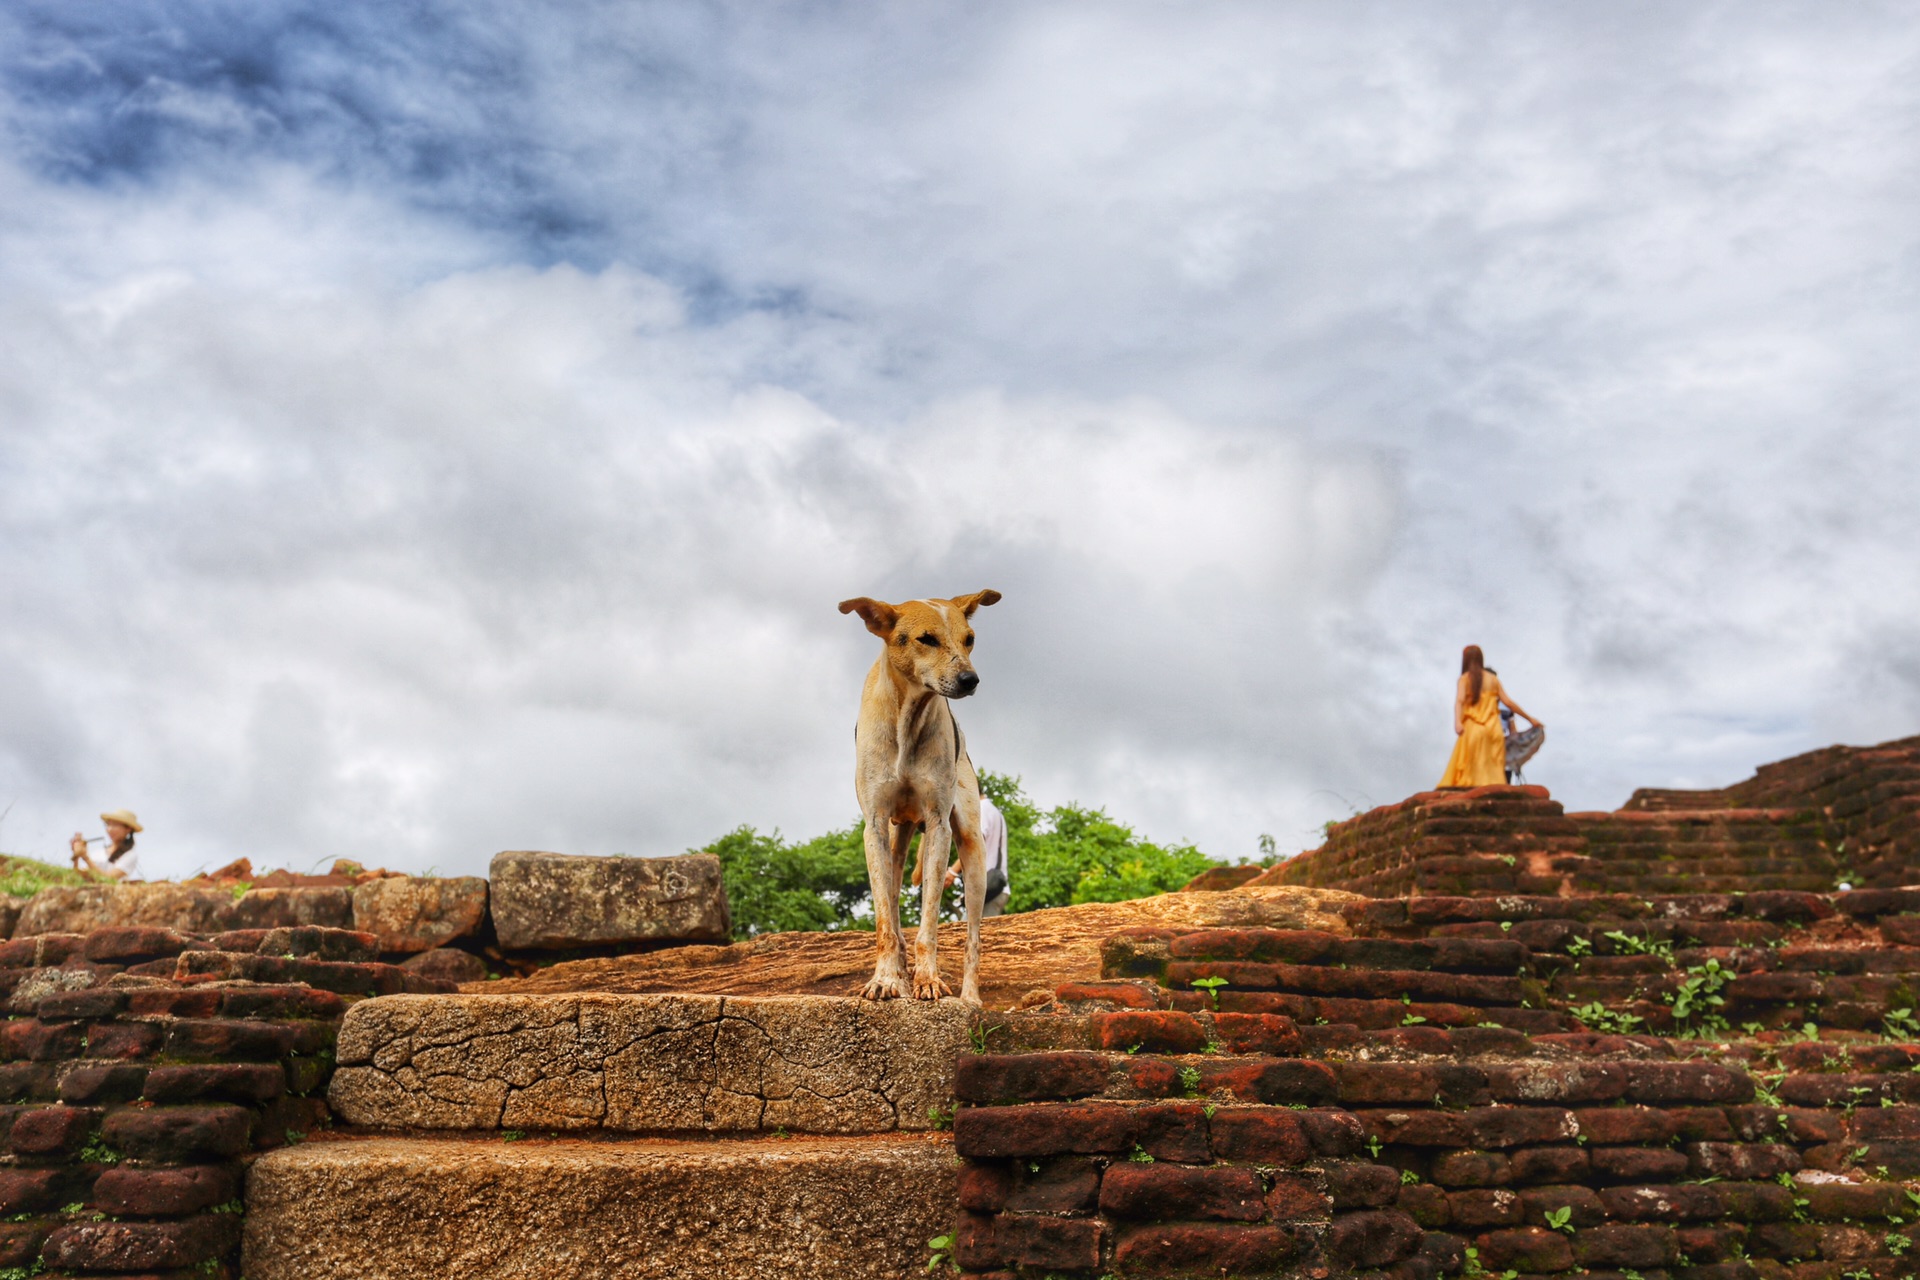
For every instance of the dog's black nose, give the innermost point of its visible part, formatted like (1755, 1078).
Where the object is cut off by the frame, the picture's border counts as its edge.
(968, 682)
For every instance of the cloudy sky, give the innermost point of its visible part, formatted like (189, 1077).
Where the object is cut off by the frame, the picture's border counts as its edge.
(431, 430)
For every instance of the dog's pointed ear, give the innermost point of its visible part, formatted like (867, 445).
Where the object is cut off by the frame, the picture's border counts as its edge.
(969, 603)
(878, 615)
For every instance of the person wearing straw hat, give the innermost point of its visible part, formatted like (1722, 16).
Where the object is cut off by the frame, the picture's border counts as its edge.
(121, 862)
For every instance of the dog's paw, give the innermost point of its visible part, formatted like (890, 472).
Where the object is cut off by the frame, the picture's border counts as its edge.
(970, 995)
(930, 988)
(884, 989)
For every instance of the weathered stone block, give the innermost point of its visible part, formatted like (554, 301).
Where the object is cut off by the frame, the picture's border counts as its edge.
(414, 913)
(810, 1064)
(84, 908)
(396, 1209)
(552, 900)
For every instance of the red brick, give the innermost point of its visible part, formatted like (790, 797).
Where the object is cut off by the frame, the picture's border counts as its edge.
(90, 1002)
(1426, 1204)
(1533, 1249)
(227, 1081)
(1557, 1081)
(31, 1039)
(1264, 1033)
(1063, 1243)
(51, 1131)
(1174, 1131)
(1001, 1077)
(224, 1039)
(1294, 946)
(1274, 1081)
(1471, 1169)
(1741, 1161)
(1373, 1237)
(1686, 1082)
(1292, 1198)
(1517, 1126)
(1128, 995)
(119, 945)
(1620, 1246)
(1266, 1137)
(1549, 1164)
(975, 1241)
(102, 1082)
(1166, 1191)
(1583, 1206)
(294, 1003)
(122, 1039)
(139, 1246)
(1494, 1207)
(178, 1135)
(165, 1193)
(1063, 1185)
(1786, 1241)
(1711, 1244)
(1619, 1126)
(1083, 1128)
(175, 1001)
(1153, 1077)
(43, 951)
(1154, 1031)
(26, 1082)
(1215, 1248)
(1333, 1133)
(1637, 1164)
(1854, 1200)
(20, 1244)
(25, 1190)
(1386, 1082)
(984, 1188)
(1417, 1128)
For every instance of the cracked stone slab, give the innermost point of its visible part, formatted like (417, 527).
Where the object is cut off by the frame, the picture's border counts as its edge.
(648, 1064)
(452, 1209)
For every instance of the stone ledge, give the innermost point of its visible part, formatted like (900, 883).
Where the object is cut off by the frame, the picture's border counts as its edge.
(425, 1209)
(659, 1064)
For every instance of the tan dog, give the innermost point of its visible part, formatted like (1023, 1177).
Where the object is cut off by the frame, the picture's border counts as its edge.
(911, 770)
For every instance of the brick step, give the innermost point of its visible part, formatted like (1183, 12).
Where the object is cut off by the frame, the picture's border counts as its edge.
(450, 1209)
(648, 1063)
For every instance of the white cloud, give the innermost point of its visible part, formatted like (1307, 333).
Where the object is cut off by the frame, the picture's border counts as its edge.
(1262, 355)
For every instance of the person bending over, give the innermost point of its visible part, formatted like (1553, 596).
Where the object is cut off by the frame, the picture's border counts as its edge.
(120, 862)
(1480, 745)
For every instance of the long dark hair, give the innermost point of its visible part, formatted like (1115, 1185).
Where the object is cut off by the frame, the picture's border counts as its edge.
(1473, 666)
(121, 847)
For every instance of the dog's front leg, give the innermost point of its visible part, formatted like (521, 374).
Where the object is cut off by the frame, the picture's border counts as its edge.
(973, 888)
(935, 844)
(889, 979)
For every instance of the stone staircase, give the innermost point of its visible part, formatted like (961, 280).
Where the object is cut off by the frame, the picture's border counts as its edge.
(631, 1136)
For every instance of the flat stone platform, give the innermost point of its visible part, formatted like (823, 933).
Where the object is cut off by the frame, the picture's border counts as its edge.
(658, 1064)
(460, 1209)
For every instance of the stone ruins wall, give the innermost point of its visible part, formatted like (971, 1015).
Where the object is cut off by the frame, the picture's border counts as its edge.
(141, 1067)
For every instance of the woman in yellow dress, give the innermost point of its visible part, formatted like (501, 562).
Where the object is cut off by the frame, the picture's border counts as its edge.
(1480, 749)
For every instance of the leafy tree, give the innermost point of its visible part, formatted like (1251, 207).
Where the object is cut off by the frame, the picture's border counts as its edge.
(1055, 857)
(774, 886)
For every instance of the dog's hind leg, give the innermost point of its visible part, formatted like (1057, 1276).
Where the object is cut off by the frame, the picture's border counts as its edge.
(935, 844)
(885, 848)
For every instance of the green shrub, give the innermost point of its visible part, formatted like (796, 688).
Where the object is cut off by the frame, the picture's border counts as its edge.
(1055, 858)
(24, 877)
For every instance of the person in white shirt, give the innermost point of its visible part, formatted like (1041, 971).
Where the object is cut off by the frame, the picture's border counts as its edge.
(993, 834)
(121, 862)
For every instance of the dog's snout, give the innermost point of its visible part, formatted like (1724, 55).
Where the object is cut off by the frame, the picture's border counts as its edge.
(968, 682)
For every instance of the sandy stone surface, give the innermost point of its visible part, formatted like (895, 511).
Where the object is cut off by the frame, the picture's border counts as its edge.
(424, 1209)
(187, 908)
(1019, 953)
(418, 913)
(660, 1063)
(554, 901)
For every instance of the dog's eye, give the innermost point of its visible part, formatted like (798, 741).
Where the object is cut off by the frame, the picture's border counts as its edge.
(931, 640)
(969, 641)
